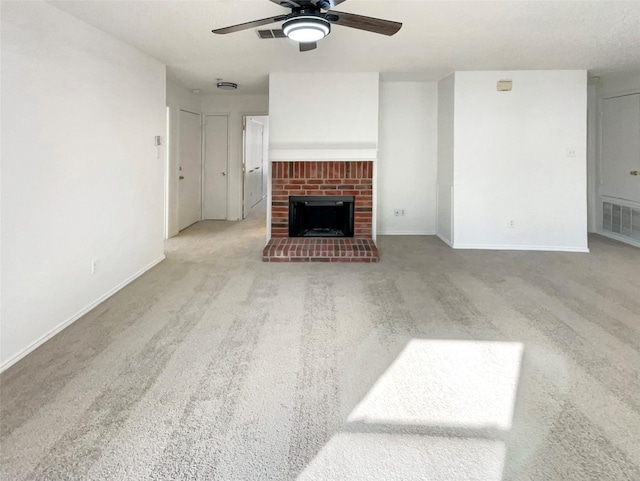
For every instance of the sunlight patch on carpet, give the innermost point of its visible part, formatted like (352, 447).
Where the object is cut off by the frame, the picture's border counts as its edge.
(446, 383)
(388, 457)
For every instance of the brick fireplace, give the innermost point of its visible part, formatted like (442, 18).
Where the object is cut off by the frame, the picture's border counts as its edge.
(315, 178)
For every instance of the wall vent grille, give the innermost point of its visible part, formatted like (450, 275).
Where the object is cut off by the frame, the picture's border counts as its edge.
(621, 219)
(265, 34)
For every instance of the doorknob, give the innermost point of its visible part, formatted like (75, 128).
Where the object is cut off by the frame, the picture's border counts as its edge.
(181, 177)
(635, 172)
(224, 173)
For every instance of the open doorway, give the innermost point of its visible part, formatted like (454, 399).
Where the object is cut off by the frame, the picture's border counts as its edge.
(255, 161)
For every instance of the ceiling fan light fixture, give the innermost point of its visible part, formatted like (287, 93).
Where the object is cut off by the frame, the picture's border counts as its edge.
(306, 29)
(227, 85)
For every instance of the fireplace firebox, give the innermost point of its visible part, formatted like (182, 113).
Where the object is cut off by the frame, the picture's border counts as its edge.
(321, 216)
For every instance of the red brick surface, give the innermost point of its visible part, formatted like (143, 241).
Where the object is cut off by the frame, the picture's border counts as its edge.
(322, 178)
(315, 249)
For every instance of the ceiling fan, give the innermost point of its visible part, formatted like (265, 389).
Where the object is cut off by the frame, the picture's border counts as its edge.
(307, 23)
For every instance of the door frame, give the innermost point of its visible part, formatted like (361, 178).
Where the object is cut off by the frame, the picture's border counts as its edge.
(243, 140)
(226, 114)
(167, 171)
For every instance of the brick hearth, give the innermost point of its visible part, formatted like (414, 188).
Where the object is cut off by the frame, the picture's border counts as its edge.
(314, 249)
(334, 178)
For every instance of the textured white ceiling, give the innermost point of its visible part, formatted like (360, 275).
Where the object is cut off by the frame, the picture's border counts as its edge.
(437, 38)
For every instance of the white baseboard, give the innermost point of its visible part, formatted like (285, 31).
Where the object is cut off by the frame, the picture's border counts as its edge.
(613, 235)
(444, 239)
(521, 248)
(37, 343)
(406, 233)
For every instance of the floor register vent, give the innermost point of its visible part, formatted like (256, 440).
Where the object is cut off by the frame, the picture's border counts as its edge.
(621, 219)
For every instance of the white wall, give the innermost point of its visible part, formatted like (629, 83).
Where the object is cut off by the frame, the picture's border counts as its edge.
(81, 176)
(511, 162)
(177, 97)
(444, 187)
(335, 116)
(236, 106)
(407, 166)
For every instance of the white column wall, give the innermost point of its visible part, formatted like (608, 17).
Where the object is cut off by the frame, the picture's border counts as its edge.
(444, 187)
(334, 117)
(407, 165)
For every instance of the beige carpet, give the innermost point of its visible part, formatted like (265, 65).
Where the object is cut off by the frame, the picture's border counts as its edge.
(434, 364)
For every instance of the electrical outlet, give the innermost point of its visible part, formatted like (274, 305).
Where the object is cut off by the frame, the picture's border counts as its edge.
(403, 212)
(512, 224)
(571, 152)
(94, 266)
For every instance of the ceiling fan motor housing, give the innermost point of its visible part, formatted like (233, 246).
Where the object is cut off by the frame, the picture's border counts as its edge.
(306, 25)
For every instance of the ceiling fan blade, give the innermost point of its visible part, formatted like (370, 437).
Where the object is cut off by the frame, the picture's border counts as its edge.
(305, 47)
(370, 24)
(245, 26)
(287, 3)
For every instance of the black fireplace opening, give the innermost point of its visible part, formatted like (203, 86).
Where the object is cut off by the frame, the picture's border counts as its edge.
(321, 216)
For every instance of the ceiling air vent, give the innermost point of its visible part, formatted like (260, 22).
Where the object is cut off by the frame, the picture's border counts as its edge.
(264, 34)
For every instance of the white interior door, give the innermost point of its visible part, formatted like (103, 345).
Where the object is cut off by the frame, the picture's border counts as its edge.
(190, 169)
(253, 171)
(216, 154)
(621, 147)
